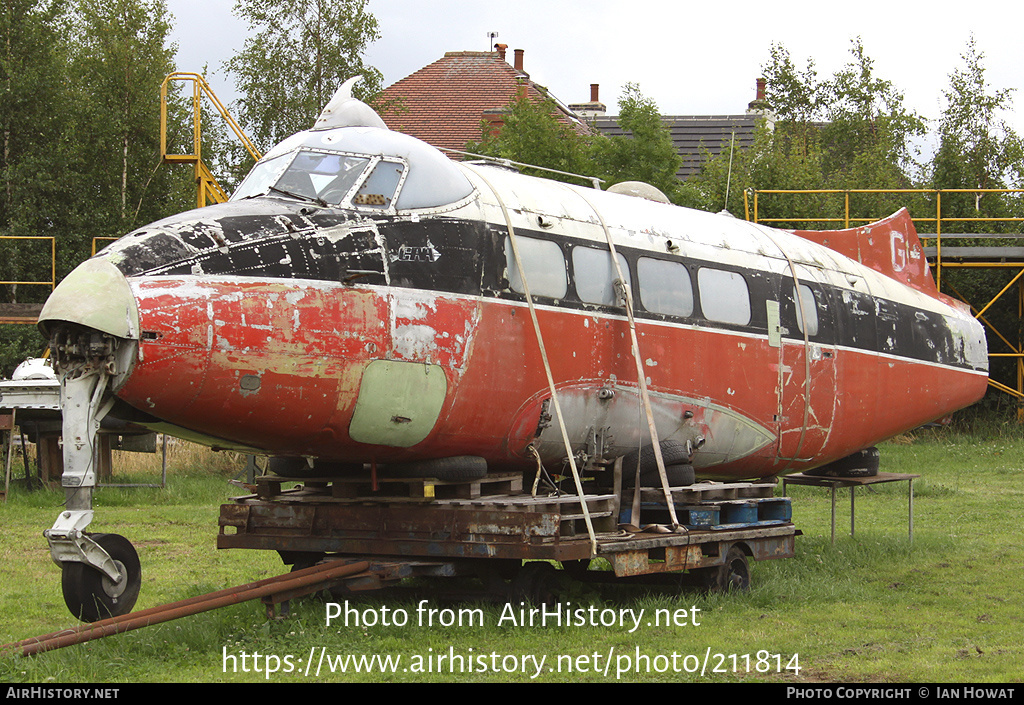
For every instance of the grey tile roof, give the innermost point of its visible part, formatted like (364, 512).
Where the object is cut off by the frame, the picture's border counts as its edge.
(692, 133)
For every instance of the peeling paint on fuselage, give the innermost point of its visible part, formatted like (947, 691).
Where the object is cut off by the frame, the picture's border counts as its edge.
(302, 299)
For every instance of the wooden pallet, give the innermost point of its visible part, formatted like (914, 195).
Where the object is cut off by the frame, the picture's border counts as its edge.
(420, 488)
(705, 491)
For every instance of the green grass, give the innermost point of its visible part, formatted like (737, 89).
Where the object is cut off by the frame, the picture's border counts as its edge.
(874, 608)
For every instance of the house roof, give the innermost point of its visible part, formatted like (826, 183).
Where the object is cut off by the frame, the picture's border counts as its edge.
(443, 103)
(697, 137)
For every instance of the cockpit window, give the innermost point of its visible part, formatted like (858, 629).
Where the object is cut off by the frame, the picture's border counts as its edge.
(323, 176)
(378, 191)
(262, 177)
(328, 177)
(358, 167)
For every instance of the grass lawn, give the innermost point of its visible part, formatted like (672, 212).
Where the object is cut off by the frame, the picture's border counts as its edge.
(874, 608)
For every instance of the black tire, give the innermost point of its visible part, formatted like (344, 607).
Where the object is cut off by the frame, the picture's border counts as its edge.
(863, 463)
(454, 469)
(733, 575)
(677, 476)
(672, 452)
(91, 595)
(286, 466)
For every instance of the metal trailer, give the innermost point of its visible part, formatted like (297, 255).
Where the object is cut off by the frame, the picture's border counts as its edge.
(494, 530)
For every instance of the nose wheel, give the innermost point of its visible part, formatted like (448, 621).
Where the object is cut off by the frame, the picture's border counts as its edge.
(90, 594)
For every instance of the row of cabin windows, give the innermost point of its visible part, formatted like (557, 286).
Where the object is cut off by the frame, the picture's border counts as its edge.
(665, 286)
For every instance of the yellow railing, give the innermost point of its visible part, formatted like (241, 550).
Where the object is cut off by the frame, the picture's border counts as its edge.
(847, 221)
(751, 202)
(26, 313)
(53, 260)
(208, 188)
(97, 240)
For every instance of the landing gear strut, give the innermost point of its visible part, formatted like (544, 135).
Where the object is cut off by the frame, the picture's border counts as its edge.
(100, 572)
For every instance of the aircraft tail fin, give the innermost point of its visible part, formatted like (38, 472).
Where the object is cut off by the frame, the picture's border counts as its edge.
(889, 246)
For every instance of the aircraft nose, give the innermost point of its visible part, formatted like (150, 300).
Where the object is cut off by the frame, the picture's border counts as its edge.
(95, 295)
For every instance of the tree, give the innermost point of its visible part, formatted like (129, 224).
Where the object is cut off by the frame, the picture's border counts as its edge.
(532, 133)
(646, 153)
(787, 149)
(867, 132)
(79, 116)
(301, 52)
(33, 121)
(119, 59)
(848, 132)
(977, 148)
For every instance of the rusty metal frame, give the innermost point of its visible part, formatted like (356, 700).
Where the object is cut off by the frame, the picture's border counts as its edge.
(482, 531)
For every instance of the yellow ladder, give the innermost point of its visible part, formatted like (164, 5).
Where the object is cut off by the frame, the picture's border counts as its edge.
(209, 191)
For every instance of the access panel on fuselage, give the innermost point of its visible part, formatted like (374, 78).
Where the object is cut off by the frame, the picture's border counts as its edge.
(807, 363)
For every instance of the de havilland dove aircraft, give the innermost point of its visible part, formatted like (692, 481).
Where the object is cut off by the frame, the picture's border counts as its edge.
(365, 302)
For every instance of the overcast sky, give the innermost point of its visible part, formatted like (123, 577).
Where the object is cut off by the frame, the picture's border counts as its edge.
(691, 58)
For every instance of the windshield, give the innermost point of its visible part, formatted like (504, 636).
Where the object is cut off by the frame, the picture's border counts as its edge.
(358, 167)
(316, 176)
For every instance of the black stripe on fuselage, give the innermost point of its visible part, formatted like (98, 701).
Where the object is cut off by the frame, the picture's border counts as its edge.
(468, 257)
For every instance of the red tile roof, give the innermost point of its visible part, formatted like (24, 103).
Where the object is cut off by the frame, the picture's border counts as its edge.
(443, 103)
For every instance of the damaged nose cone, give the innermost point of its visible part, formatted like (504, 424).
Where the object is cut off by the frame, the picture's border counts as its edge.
(95, 295)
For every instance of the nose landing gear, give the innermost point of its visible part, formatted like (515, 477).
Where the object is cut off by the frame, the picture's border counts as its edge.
(100, 573)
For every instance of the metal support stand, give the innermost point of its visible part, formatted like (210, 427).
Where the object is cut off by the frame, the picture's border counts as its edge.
(853, 483)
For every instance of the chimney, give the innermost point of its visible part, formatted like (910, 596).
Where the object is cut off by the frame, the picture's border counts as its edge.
(493, 120)
(759, 106)
(501, 50)
(518, 65)
(595, 108)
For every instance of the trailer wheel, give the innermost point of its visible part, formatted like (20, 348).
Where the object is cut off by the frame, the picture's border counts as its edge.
(457, 468)
(733, 575)
(91, 595)
(576, 568)
(536, 584)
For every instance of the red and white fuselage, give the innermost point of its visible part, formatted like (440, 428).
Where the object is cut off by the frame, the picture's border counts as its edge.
(388, 320)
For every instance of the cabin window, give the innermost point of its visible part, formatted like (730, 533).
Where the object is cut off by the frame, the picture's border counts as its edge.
(665, 287)
(378, 191)
(594, 275)
(724, 296)
(810, 309)
(544, 265)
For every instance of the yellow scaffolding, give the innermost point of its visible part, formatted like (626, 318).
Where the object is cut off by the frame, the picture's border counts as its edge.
(209, 191)
(994, 257)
